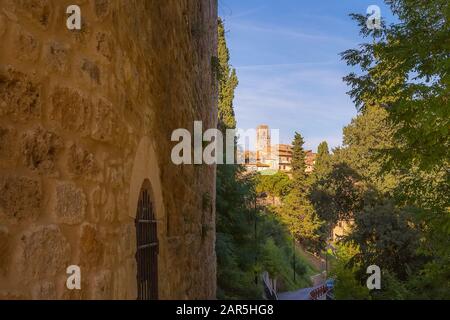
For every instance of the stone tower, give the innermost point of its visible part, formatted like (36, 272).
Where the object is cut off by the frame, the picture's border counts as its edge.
(263, 142)
(86, 118)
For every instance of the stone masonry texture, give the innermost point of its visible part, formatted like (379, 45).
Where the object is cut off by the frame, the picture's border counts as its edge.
(74, 108)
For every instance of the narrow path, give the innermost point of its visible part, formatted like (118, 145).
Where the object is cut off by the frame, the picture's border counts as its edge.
(302, 294)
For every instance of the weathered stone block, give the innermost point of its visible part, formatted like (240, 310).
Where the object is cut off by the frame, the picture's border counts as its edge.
(2, 25)
(5, 250)
(45, 290)
(20, 198)
(111, 256)
(122, 206)
(70, 204)
(56, 57)
(102, 285)
(44, 252)
(114, 175)
(92, 70)
(104, 121)
(40, 148)
(26, 45)
(82, 163)
(37, 9)
(127, 241)
(82, 36)
(97, 200)
(109, 211)
(108, 126)
(85, 293)
(12, 295)
(104, 46)
(8, 145)
(71, 110)
(91, 247)
(20, 98)
(101, 8)
(124, 279)
(98, 196)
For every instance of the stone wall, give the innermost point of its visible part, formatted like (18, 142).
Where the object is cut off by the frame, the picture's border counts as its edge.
(85, 117)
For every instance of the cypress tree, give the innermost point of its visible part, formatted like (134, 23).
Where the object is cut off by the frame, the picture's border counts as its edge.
(228, 82)
(298, 163)
(297, 212)
(323, 161)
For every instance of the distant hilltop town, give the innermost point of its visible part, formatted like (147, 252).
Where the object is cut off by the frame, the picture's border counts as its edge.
(268, 158)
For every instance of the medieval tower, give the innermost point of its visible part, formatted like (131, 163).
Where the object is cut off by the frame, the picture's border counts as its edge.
(263, 141)
(86, 177)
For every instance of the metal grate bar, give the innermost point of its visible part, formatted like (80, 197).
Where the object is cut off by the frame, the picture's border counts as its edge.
(147, 248)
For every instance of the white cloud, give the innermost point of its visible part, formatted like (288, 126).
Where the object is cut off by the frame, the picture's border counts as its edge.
(226, 11)
(287, 32)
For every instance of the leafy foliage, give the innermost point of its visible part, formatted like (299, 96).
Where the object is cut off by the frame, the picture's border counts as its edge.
(347, 286)
(387, 237)
(243, 254)
(339, 195)
(399, 146)
(323, 162)
(406, 70)
(296, 211)
(275, 185)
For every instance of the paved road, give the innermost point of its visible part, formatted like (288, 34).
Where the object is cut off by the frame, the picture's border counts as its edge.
(302, 294)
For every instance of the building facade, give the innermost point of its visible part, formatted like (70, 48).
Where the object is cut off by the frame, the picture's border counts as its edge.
(284, 155)
(310, 161)
(272, 158)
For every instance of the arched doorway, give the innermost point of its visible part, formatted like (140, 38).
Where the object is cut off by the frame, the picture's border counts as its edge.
(147, 246)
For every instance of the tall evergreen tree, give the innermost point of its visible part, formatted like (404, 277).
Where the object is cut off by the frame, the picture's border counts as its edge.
(323, 161)
(299, 175)
(297, 212)
(228, 82)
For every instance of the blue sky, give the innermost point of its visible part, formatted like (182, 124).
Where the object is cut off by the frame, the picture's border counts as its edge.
(286, 53)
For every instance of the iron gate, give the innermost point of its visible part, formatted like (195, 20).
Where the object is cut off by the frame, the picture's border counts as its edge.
(147, 247)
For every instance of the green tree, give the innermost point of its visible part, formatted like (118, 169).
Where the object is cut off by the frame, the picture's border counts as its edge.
(347, 286)
(275, 185)
(406, 69)
(365, 142)
(298, 163)
(340, 194)
(323, 162)
(297, 211)
(299, 216)
(387, 237)
(228, 82)
(235, 191)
